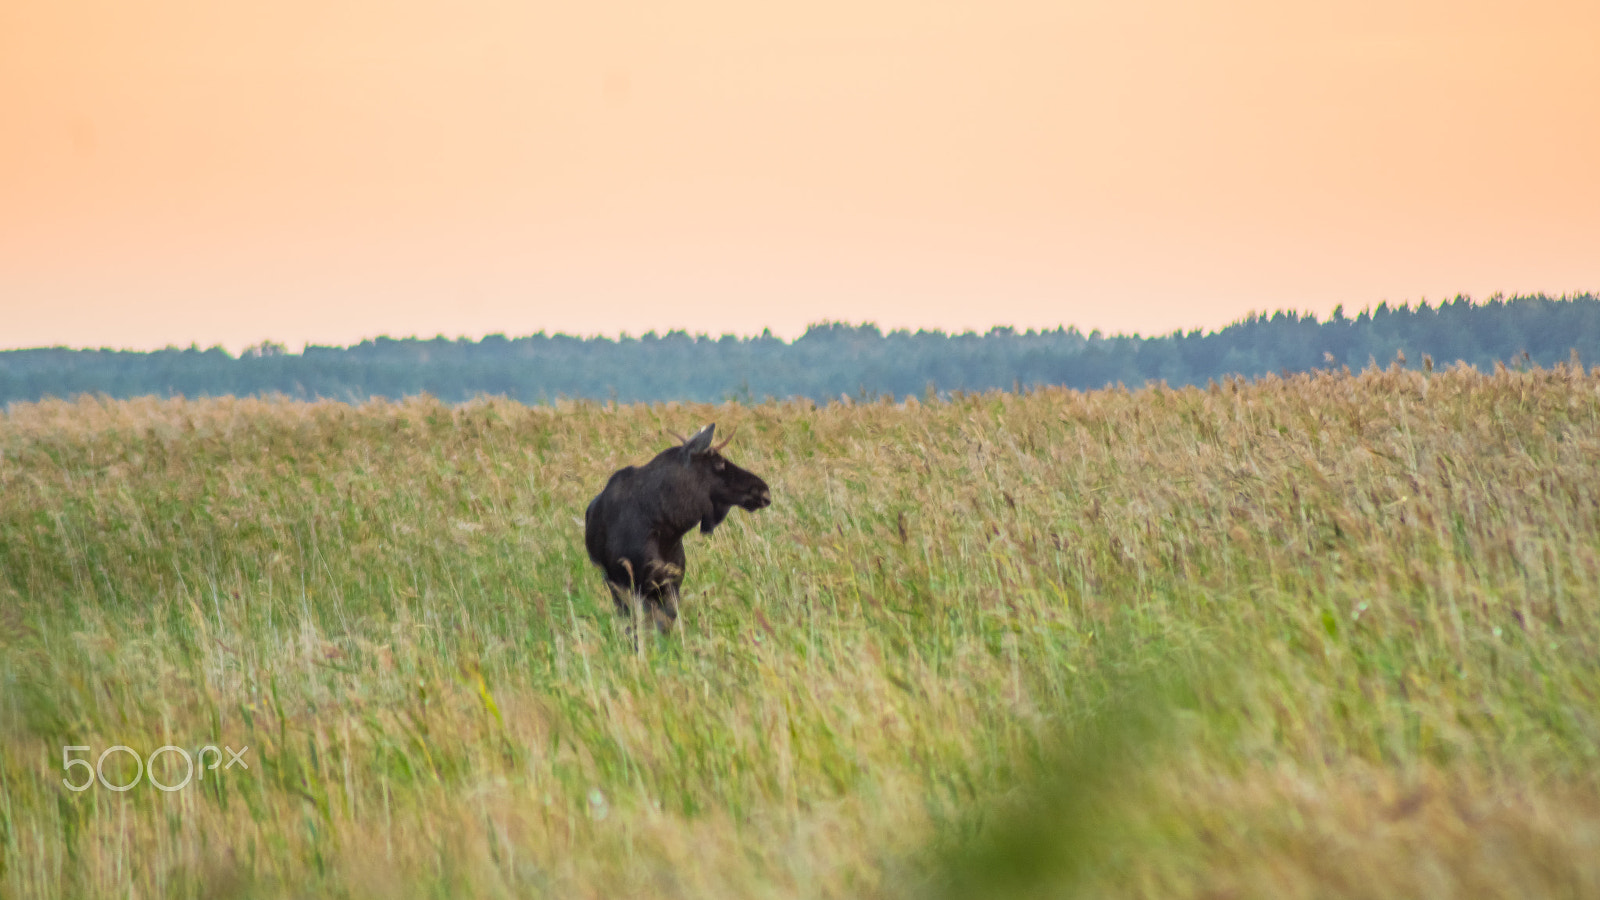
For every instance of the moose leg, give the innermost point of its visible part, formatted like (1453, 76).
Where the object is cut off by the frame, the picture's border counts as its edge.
(634, 607)
(628, 596)
(623, 596)
(662, 605)
(661, 590)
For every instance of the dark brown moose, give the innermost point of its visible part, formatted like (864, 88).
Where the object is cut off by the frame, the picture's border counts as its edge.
(634, 529)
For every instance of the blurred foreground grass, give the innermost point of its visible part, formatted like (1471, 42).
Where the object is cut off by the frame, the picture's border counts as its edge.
(1316, 637)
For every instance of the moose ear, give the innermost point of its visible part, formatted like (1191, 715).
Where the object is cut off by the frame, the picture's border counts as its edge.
(700, 441)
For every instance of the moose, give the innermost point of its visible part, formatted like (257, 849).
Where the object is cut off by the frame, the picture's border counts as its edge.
(634, 528)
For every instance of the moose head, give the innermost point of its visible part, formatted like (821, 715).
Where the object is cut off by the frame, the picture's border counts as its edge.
(710, 474)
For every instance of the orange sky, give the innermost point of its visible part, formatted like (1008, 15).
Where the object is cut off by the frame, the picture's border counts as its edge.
(212, 171)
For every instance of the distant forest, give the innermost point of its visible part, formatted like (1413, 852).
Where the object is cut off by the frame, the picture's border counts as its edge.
(829, 360)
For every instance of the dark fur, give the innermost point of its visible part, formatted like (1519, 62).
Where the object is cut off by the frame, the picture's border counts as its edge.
(634, 529)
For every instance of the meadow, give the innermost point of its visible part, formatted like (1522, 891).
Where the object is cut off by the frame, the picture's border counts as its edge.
(1329, 635)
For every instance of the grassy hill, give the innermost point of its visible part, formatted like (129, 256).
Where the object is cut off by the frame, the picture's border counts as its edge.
(1325, 636)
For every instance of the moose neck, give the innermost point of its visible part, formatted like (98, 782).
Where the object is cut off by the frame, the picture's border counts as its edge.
(682, 508)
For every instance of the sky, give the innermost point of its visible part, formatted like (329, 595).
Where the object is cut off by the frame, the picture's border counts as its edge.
(323, 171)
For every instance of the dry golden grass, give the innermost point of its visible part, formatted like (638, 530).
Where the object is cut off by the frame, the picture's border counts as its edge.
(1330, 636)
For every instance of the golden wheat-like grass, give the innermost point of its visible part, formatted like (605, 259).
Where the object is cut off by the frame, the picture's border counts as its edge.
(1322, 636)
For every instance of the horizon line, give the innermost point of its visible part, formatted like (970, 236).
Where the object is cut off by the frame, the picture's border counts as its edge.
(282, 349)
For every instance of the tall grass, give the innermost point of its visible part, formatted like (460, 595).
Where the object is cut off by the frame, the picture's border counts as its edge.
(1331, 635)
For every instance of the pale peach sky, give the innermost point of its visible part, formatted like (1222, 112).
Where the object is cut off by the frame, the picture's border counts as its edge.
(211, 171)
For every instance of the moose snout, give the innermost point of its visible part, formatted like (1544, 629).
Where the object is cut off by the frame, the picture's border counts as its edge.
(761, 499)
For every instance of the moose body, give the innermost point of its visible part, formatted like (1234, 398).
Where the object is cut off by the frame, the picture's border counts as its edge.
(634, 528)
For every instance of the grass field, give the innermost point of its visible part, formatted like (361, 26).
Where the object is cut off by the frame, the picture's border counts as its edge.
(1321, 636)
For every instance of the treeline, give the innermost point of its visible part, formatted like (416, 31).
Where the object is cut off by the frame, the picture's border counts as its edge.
(830, 359)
